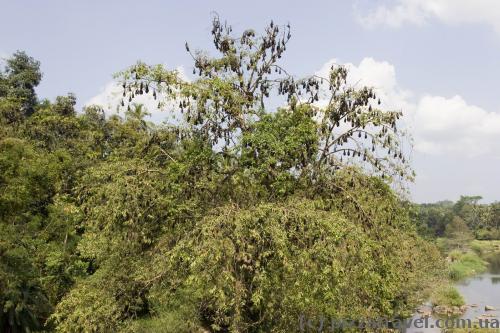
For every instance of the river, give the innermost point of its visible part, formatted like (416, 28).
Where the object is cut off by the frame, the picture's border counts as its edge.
(483, 289)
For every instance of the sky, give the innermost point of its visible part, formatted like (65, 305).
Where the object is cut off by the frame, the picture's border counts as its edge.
(436, 60)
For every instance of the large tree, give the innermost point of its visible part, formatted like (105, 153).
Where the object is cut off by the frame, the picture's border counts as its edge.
(230, 96)
(242, 217)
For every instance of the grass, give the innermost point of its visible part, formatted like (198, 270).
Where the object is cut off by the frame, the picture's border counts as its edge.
(465, 265)
(482, 247)
(447, 296)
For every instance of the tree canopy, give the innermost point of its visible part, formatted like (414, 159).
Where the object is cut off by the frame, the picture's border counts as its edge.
(482, 219)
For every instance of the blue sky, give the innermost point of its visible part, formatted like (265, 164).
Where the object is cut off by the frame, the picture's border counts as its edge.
(439, 60)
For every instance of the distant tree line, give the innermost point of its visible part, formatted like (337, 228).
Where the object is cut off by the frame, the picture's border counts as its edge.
(483, 220)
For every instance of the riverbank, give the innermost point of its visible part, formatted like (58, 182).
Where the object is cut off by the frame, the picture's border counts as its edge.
(463, 263)
(470, 287)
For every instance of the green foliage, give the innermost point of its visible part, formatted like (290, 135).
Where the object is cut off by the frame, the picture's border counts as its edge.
(239, 218)
(432, 219)
(280, 142)
(258, 269)
(482, 247)
(102, 302)
(31, 227)
(447, 296)
(18, 81)
(177, 314)
(229, 99)
(458, 234)
(482, 219)
(488, 233)
(465, 265)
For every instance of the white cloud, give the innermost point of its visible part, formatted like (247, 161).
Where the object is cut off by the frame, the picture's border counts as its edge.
(449, 11)
(376, 74)
(440, 125)
(452, 125)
